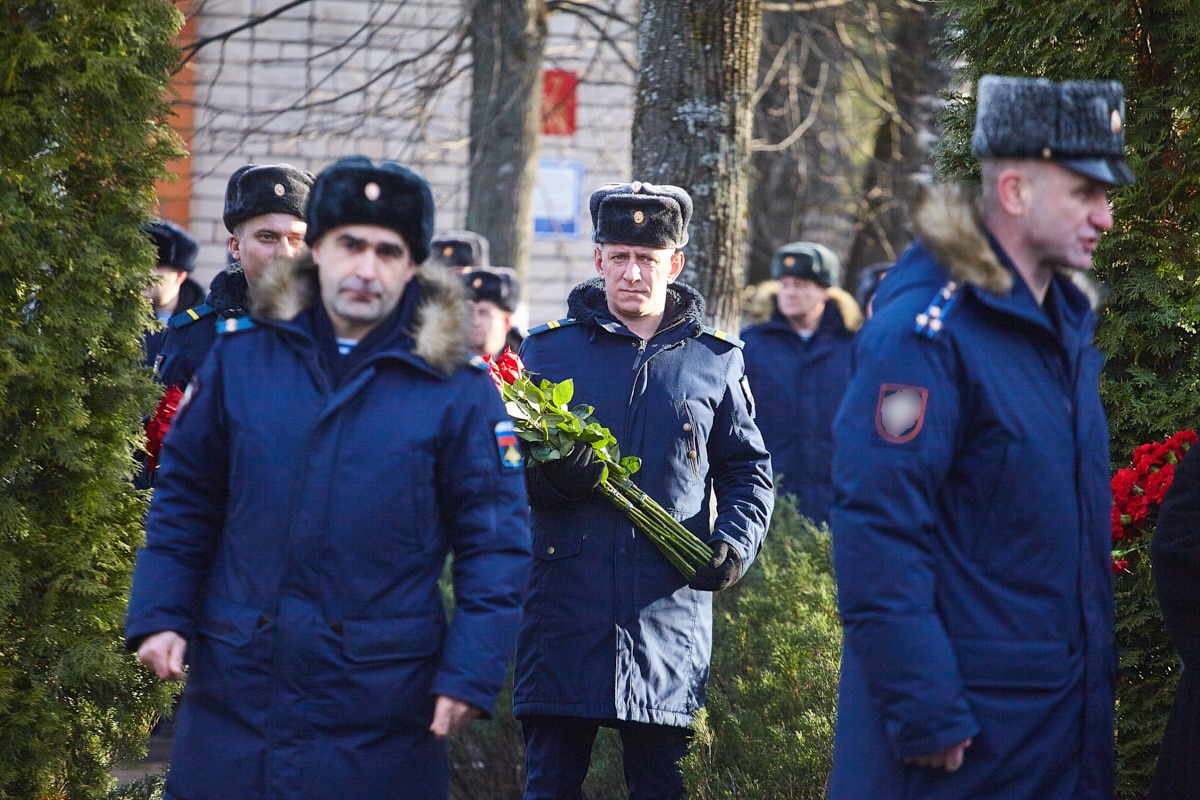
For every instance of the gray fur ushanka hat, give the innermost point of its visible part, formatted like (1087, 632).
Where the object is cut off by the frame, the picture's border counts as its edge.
(808, 261)
(1078, 124)
(641, 214)
(459, 249)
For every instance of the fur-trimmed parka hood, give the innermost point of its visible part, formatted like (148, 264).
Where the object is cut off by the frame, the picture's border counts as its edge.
(948, 221)
(588, 301)
(438, 330)
(758, 304)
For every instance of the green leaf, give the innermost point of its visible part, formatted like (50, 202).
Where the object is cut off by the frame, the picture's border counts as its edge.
(563, 393)
(631, 463)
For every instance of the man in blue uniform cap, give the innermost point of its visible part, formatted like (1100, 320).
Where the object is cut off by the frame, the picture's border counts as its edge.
(330, 451)
(613, 635)
(971, 529)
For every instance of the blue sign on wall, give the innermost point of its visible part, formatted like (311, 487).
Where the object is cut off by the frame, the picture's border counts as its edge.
(558, 199)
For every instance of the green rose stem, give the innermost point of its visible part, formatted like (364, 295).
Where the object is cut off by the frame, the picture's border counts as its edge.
(674, 541)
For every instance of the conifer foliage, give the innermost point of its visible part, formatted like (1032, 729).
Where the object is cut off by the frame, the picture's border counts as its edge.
(767, 730)
(82, 138)
(1149, 264)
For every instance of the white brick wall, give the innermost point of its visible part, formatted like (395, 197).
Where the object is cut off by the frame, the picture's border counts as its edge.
(270, 94)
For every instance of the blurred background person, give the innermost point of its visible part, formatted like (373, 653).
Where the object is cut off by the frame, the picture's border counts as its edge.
(798, 365)
(173, 288)
(492, 297)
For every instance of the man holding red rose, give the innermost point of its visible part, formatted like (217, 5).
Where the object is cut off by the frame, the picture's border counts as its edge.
(971, 530)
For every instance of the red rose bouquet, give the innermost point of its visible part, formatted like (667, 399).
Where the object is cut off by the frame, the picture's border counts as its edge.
(1138, 491)
(542, 416)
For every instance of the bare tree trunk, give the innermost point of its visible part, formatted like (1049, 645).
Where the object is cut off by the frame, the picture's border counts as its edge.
(508, 41)
(803, 179)
(691, 127)
(901, 162)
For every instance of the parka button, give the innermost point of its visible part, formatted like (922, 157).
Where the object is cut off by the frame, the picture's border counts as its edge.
(687, 426)
(550, 551)
(691, 454)
(262, 621)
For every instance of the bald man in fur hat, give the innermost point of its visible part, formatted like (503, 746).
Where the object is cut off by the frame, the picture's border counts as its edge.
(971, 530)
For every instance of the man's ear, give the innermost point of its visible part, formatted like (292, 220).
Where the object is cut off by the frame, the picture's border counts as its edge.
(599, 262)
(676, 266)
(1013, 188)
(235, 249)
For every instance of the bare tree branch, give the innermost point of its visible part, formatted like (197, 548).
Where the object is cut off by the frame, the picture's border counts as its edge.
(195, 46)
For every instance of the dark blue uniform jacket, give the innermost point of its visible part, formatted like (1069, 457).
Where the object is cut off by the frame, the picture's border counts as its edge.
(797, 387)
(295, 539)
(972, 539)
(190, 334)
(611, 629)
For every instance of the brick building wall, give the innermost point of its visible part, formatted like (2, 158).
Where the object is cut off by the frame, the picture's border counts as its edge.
(328, 78)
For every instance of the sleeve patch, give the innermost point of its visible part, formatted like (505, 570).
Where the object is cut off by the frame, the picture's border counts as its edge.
(511, 459)
(900, 412)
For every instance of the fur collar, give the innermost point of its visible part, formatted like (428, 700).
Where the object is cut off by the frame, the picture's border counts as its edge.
(229, 293)
(437, 330)
(758, 304)
(588, 301)
(948, 221)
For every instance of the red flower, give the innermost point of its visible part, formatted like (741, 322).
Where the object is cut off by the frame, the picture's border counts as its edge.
(1138, 490)
(509, 366)
(158, 425)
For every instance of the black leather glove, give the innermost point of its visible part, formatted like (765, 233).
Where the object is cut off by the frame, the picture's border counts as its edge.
(722, 570)
(576, 474)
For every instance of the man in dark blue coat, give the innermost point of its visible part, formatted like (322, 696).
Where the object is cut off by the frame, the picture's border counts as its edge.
(613, 635)
(798, 363)
(264, 214)
(331, 450)
(174, 289)
(971, 528)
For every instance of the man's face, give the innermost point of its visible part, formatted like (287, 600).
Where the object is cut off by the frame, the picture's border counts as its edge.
(636, 278)
(800, 299)
(363, 270)
(260, 240)
(1067, 214)
(164, 291)
(489, 326)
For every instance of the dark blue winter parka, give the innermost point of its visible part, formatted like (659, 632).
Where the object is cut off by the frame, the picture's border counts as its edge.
(971, 532)
(296, 537)
(611, 629)
(797, 385)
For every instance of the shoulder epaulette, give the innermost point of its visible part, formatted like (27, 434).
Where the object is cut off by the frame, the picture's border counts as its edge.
(234, 324)
(478, 363)
(566, 322)
(723, 336)
(191, 315)
(932, 320)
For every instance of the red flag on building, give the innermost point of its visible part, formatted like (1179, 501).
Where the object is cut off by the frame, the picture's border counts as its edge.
(558, 102)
